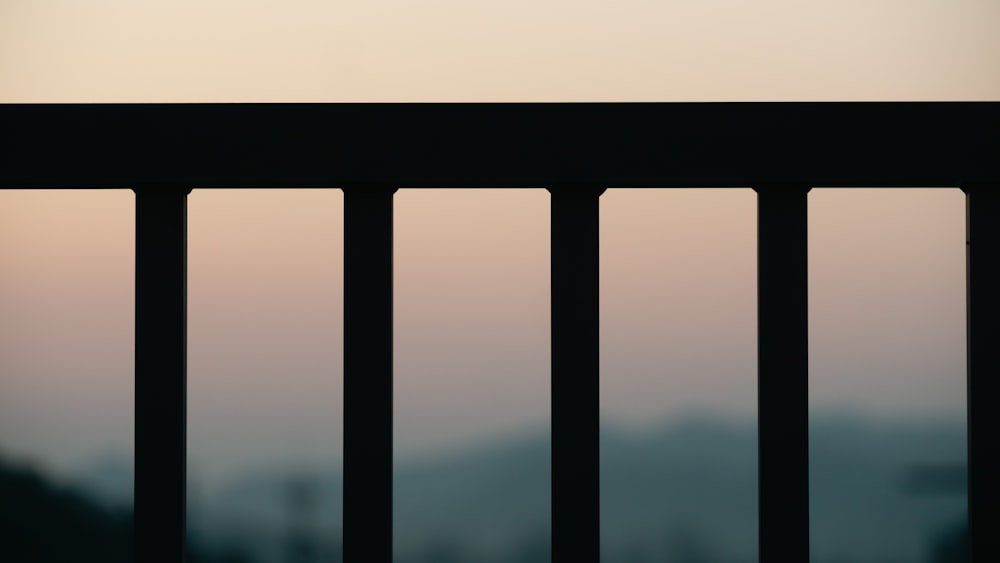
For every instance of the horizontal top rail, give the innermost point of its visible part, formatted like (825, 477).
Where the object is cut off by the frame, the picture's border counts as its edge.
(820, 144)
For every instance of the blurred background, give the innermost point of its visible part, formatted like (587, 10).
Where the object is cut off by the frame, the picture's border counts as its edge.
(678, 283)
(471, 392)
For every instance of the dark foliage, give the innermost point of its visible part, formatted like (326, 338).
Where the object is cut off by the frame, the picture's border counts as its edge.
(43, 523)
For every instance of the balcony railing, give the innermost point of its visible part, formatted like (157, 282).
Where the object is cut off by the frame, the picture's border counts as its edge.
(781, 150)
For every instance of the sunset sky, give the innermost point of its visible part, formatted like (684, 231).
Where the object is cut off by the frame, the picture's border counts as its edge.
(678, 266)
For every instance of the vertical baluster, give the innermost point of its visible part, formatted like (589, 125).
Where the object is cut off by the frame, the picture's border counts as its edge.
(575, 375)
(160, 373)
(783, 378)
(983, 314)
(368, 375)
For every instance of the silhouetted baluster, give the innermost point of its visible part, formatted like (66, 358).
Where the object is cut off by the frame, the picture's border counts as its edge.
(983, 294)
(783, 374)
(160, 372)
(575, 376)
(368, 375)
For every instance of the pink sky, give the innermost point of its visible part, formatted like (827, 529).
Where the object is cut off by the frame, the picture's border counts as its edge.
(887, 293)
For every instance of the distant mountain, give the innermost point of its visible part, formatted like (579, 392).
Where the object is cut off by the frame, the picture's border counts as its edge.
(861, 495)
(685, 493)
(42, 522)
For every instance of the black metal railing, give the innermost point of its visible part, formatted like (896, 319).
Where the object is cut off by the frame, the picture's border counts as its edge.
(575, 151)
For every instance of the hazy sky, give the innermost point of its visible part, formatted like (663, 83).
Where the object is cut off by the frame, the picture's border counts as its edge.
(465, 50)
(678, 293)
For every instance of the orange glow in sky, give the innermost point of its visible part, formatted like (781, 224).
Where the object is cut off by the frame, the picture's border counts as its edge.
(679, 267)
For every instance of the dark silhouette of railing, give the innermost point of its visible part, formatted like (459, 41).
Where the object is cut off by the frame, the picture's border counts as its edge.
(781, 150)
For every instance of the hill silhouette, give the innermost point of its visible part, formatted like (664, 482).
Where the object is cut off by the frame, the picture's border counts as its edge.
(683, 492)
(41, 522)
